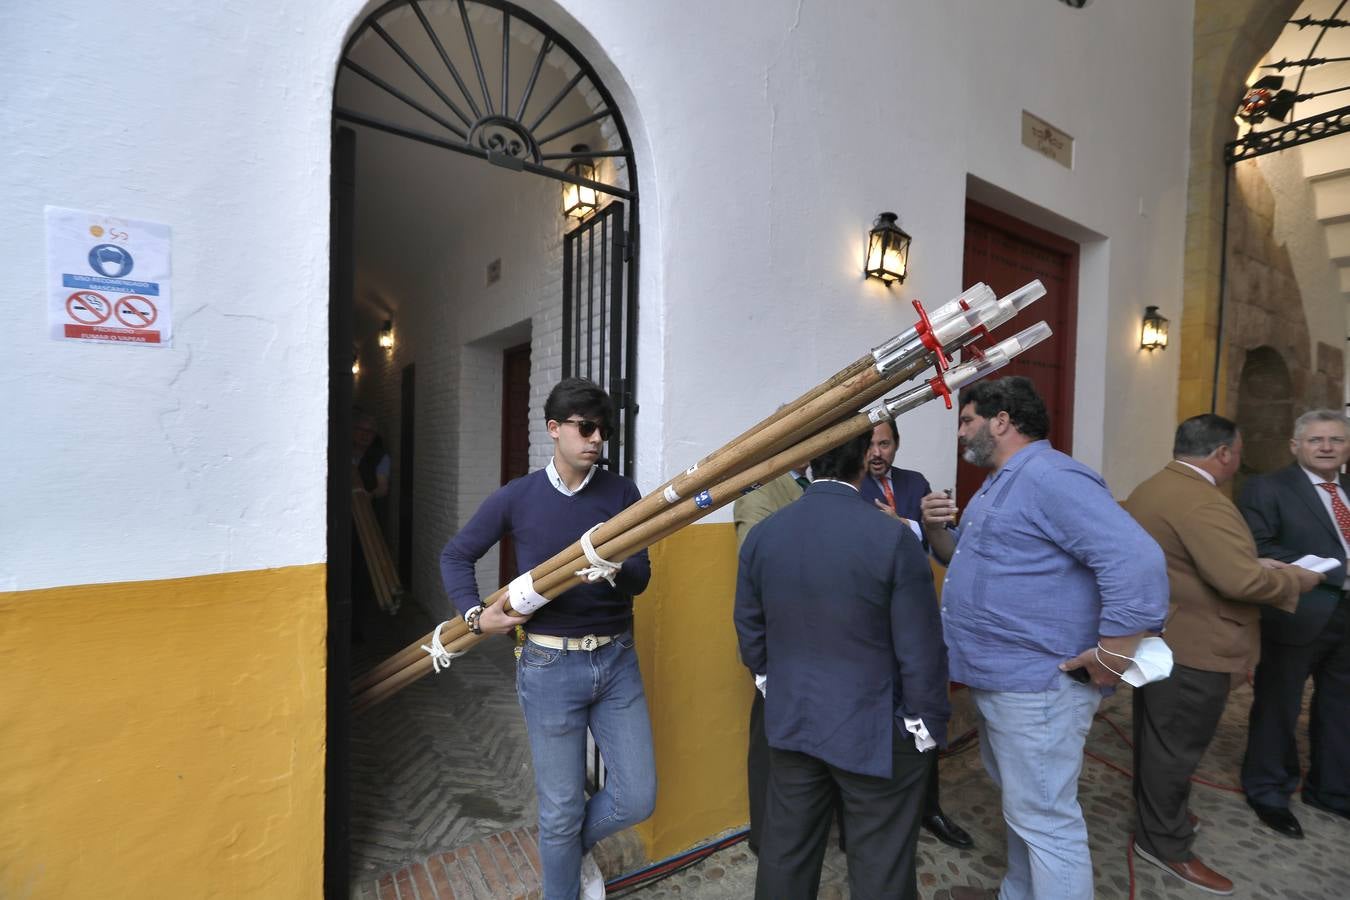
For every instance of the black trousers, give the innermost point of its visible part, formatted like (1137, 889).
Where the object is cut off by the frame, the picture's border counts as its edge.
(881, 815)
(1174, 721)
(1270, 769)
(757, 778)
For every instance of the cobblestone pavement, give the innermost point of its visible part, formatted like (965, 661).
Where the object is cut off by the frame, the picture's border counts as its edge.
(1261, 863)
(422, 786)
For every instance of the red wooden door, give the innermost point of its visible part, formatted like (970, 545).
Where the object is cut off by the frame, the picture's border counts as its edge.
(515, 435)
(1006, 253)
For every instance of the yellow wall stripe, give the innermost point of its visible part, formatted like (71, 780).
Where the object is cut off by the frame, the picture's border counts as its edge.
(165, 738)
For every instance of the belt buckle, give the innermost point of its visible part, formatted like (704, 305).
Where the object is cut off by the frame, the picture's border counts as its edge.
(589, 642)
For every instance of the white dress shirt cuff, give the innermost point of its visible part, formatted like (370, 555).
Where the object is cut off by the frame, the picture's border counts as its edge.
(922, 739)
(760, 681)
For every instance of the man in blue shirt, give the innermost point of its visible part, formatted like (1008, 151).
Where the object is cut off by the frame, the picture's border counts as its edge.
(577, 669)
(1045, 569)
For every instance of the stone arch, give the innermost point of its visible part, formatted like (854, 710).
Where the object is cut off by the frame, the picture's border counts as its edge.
(1230, 38)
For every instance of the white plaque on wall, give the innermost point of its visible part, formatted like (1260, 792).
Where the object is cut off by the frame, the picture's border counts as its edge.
(1047, 140)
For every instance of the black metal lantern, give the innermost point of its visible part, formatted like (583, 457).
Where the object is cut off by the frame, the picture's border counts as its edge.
(387, 334)
(580, 201)
(1153, 335)
(887, 250)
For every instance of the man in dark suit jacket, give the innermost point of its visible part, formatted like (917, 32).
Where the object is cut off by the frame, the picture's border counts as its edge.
(1299, 510)
(835, 608)
(898, 492)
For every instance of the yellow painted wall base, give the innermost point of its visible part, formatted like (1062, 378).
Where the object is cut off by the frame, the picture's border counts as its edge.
(164, 739)
(698, 691)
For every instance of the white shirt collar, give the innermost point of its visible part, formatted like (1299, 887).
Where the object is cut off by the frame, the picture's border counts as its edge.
(1318, 479)
(556, 480)
(1203, 474)
(836, 481)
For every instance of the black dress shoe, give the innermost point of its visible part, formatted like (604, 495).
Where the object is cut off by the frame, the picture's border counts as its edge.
(947, 831)
(1310, 799)
(1278, 818)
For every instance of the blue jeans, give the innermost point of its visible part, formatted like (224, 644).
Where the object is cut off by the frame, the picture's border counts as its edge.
(563, 693)
(1032, 746)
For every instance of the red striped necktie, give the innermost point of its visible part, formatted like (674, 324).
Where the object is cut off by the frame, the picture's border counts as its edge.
(1338, 509)
(890, 495)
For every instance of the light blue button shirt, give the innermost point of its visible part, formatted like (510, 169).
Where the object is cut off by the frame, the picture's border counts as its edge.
(1046, 561)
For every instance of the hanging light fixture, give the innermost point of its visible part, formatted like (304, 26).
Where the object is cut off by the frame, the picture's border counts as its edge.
(1153, 335)
(387, 334)
(580, 201)
(887, 250)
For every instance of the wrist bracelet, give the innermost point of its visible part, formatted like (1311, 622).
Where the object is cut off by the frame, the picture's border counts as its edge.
(471, 619)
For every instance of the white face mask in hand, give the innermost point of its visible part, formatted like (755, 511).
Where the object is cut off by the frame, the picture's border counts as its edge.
(1152, 661)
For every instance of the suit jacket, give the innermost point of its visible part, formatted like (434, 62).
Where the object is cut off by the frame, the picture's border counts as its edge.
(1288, 520)
(835, 604)
(756, 506)
(1217, 585)
(908, 486)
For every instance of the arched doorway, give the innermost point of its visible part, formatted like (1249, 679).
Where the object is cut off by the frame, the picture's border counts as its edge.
(1265, 411)
(461, 291)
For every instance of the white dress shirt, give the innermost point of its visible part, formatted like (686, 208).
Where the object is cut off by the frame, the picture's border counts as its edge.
(1203, 474)
(1325, 497)
(556, 480)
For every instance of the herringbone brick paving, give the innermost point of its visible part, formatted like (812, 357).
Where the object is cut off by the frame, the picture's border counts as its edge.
(441, 765)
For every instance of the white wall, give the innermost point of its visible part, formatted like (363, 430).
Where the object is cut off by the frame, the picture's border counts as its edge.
(767, 135)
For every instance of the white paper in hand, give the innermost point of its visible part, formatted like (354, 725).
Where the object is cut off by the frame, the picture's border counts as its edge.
(1320, 564)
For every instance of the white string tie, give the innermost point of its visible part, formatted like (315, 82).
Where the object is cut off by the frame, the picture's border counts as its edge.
(599, 568)
(440, 657)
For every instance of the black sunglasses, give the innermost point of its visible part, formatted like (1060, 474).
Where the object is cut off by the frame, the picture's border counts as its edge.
(586, 428)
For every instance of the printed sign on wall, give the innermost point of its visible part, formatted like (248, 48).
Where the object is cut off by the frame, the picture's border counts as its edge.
(108, 279)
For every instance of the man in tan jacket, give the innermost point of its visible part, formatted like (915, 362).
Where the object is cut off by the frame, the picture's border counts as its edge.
(1213, 628)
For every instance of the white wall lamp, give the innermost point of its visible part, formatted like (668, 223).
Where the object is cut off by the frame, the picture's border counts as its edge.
(887, 251)
(1153, 334)
(387, 334)
(356, 362)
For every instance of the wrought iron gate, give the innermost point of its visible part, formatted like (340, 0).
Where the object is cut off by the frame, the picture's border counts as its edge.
(599, 339)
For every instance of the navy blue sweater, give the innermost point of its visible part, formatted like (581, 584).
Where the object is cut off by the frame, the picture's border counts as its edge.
(542, 521)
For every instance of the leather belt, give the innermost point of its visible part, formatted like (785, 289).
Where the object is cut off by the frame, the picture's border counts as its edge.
(553, 642)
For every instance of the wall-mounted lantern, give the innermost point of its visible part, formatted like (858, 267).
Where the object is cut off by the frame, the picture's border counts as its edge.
(580, 201)
(387, 334)
(1153, 335)
(887, 250)
(356, 362)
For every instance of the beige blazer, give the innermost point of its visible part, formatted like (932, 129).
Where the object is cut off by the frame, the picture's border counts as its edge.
(758, 505)
(1217, 584)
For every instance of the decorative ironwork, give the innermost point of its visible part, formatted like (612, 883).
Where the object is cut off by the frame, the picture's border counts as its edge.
(1308, 21)
(1313, 128)
(430, 71)
(599, 331)
(1288, 63)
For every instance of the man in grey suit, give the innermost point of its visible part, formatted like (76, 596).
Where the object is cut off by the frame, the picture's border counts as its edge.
(835, 609)
(1303, 509)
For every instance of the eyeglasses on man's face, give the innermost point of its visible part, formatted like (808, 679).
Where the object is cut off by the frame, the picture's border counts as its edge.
(586, 428)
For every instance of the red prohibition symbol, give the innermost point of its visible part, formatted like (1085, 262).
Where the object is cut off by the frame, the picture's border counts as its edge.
(135, 311)
(88, 307)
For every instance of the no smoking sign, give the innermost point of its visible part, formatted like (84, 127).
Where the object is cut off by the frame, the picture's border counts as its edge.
(108, 279)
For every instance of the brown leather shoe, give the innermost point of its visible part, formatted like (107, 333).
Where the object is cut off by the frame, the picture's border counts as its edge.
(970, 892)
(1192, 871)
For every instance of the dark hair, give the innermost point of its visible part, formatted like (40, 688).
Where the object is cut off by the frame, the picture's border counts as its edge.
(895, 430)
(844, 462)
(1201, 435)
(579, 396)
(1014, 395)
